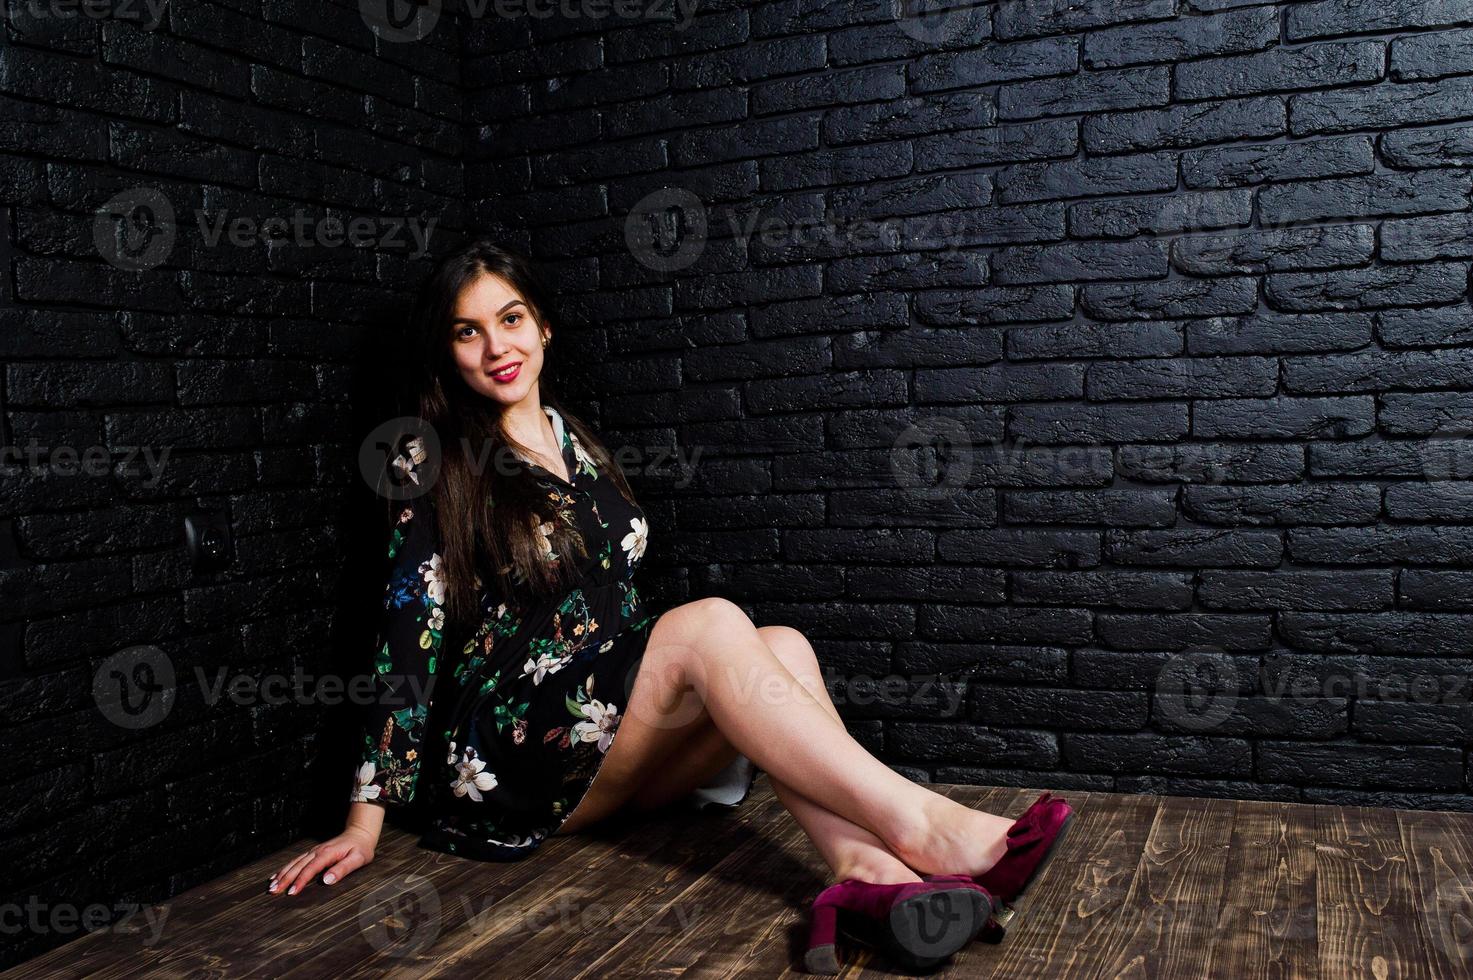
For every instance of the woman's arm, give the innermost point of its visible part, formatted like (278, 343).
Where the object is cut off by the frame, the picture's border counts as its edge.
(405, 667)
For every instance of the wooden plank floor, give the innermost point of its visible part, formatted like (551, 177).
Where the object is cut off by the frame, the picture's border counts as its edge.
(1142, 887)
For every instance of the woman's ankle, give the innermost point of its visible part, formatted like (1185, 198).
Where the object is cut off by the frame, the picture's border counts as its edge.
(876, 872)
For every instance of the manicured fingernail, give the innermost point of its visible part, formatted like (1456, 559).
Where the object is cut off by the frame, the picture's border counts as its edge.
(271, 887)
(329, 878)
(292, 890)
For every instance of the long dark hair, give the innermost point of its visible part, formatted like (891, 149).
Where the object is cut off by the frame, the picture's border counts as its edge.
(488, 507)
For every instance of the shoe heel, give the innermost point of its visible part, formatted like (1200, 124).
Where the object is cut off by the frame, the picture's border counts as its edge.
(996, 928)
(821, 956)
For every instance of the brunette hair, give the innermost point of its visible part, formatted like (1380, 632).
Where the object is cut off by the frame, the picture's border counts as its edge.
(491, 516)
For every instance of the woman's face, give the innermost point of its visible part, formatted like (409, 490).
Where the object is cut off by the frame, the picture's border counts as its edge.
(492, 328)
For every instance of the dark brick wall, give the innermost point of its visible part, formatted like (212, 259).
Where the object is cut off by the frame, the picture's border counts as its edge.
(1088, 380)
(250, 364)
(1167, 298)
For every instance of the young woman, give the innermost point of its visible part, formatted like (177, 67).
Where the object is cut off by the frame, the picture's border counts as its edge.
(515, 647)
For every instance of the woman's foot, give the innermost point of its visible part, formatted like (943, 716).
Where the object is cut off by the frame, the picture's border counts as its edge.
(952, 838)
(881, 872)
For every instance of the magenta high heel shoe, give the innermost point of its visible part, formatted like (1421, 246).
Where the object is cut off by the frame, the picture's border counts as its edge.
(920, 923)
(1032, 840)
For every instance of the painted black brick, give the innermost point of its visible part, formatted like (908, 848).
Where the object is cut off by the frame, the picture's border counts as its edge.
(1193, 278)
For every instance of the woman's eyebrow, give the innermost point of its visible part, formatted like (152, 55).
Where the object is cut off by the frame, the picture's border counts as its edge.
(471, 319)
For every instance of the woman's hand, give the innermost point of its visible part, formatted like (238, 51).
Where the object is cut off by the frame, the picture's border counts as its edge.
(340, 855)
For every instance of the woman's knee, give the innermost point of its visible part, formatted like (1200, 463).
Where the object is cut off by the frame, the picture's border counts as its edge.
(792, 648)
(689, 623)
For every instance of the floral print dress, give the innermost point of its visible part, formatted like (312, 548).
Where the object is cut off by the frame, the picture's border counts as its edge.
(502, 739)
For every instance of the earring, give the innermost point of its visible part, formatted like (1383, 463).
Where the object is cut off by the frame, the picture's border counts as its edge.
(544, 341)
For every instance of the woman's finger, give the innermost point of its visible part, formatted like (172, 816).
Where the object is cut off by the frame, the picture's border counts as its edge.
(322, 858)
(351, 862)
(288, 875)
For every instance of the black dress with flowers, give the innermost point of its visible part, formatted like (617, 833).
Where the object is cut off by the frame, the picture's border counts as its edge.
(502, 749)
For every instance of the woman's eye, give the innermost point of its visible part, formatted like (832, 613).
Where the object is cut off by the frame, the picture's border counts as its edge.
(510, 317)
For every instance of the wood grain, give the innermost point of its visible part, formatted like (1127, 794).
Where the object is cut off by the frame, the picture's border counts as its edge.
(1142, 887)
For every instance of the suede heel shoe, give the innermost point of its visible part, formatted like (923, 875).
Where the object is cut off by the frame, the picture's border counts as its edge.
(919, 923)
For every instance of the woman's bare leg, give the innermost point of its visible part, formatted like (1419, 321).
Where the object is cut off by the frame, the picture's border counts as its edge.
(849, 850)
(710, 651)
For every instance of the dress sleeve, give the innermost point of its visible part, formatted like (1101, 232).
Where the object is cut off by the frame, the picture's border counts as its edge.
(407, 655)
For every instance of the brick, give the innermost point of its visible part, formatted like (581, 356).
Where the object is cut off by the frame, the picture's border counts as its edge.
(1184, 126)
(1446, 325)
(998, 144)
(1420, 148)
(1211, 463)
(1181, 377)
(1087, 177)
(1190, 211)
(1280, 333)
(1024, 18)
(1331, 17)
(1340, 589)
(1425, 413)
(1282, 69)
(1421, 239)
(1250, 251)
(1359, 289)
(1365, 197)
(1194, 546)
(1315, 503)
(1131, 88)
(1171, 299)
(994, 63)
(1088, 339)
(913, 195)
(1079, 262)
(1376, 371)
(985, 226)
(1067, 423)
(830, 88)
(902, 117)
(996, 305)
(1381, 106)
(871, 161)
(999, 382)
(1284, 418)
(1238, 166)
(1182, 39)
(750, 62)
(1422, 56)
